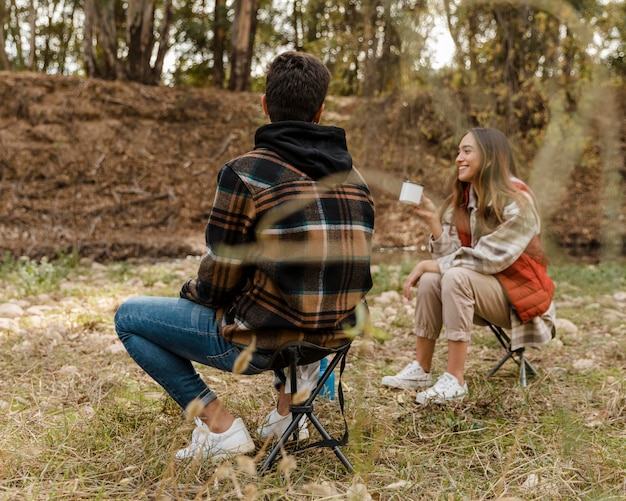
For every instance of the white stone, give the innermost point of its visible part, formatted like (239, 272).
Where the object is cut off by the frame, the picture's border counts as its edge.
(388, 297)
(531, 482)
(611, 315)
(11, 310)
(567, 326)
(584, 364)
(35, 320)
(40, 309)
(9, 325)
(390, 312)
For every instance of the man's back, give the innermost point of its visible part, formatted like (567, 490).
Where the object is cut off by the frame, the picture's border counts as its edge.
(304, 245)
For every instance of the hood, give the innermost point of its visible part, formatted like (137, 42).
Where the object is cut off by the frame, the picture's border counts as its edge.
(315, 150)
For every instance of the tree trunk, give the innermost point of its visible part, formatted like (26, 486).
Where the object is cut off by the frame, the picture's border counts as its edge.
(16, 35)
(164, 41)
(140, 40)
(242, 41)
(100, 28)
(89, 60)
(4, 59)
(32, 51)
(219, 42)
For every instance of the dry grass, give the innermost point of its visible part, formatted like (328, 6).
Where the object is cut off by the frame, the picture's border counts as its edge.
(81, 421)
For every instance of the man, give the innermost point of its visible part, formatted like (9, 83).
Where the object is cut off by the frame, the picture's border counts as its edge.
(288, 247)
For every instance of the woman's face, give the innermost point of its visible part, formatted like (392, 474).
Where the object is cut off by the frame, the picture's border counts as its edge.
(469, 159)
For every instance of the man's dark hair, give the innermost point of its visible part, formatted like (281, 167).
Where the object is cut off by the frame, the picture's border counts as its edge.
(296, 86)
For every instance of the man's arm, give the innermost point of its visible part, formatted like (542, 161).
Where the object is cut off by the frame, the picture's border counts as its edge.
(222, 271)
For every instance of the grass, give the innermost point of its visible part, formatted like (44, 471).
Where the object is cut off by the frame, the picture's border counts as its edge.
(81, 420)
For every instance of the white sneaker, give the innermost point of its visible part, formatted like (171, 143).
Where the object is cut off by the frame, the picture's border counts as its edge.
(274, 425)
(445, 389)
(409, 378)
(236, 440)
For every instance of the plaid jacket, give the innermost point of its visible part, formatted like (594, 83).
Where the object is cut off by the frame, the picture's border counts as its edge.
(288, 257)
(493, 253)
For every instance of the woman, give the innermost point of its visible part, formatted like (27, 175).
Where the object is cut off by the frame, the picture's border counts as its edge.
(487, 266)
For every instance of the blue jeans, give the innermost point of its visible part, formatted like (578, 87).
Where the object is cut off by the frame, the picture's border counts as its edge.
(164, 335)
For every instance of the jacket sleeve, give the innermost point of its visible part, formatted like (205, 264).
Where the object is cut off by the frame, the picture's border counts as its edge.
(222, 273)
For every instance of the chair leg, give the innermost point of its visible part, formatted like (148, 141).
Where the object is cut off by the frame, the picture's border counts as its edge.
(516, 355)
(293, 426)
(306, 409)
(334, 448)
(500, 364)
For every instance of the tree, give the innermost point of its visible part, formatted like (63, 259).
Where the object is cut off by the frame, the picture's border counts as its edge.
(511, 54)
(242, 43)
(220, 28)
(106, 20)
(4, 58)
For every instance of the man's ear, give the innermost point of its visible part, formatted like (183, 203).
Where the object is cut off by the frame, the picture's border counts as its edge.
(264, 104)
(318, 115)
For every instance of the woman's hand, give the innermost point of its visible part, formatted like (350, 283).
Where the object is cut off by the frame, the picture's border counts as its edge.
(420, 268)
(427, 210)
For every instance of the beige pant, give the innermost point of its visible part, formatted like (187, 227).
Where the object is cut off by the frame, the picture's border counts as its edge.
(458, 299)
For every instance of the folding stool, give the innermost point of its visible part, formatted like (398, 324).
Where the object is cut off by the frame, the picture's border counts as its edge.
(516, 355)
(301, 353)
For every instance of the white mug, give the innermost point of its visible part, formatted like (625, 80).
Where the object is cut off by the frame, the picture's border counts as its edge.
(411, 193)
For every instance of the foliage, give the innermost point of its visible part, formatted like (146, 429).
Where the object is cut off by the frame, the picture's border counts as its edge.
(602, 279)
(613, 29)
(371, 47)
(29, 277)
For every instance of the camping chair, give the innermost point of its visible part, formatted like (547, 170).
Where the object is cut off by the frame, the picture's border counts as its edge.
(516, 355)
(297, 353)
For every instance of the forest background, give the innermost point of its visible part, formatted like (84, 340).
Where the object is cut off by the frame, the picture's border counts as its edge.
(131, 108)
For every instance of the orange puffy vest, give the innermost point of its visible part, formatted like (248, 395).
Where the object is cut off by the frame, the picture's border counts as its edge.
(526, 283)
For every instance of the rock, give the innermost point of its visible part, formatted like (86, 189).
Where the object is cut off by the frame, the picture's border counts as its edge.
(11, 310)
(38, 310)
(531, 482)
(390, 312)
(610, 315)
(565, 326)
(584, 364)
(556, 343)
(620, 297)
(9, 325)
(376, 314)
(388, 297)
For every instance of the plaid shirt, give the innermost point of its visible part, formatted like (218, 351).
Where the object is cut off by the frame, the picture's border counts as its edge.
(493, 253)
(287, 257)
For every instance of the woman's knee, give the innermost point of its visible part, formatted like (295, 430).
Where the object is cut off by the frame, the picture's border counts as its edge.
(429, 283)
(454, 280)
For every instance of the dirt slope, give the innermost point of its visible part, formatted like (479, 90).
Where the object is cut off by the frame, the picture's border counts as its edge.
(113, 170)
(116, 170)
(120, 170)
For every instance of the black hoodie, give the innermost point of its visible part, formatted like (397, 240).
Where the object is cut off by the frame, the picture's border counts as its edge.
(315, 150)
